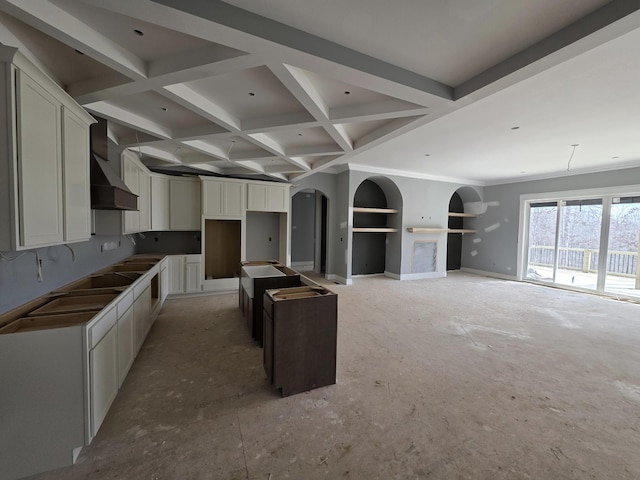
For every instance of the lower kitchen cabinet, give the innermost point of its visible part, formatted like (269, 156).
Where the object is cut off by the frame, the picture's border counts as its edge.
(103, 367)
(300, 337)
(185, 274)
(58, 384)
(126, 343)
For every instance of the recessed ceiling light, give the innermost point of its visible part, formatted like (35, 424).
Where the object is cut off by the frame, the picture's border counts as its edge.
(164, 109)
(515, 128)
(427, 154)
(347, 92)
(615, 157)
(138, 32)
(523, 171)
(251, 94)
(299, 134)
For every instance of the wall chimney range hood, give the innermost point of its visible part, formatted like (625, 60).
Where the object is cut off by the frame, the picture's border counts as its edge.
(108, 191)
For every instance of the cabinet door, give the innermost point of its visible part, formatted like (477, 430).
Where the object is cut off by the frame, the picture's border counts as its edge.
(130, 176)
(176, 274)
(159, 203)
(277, 198)
(103, 365)
(75, 171)
(39, 164)
(144, 200)
(193, 282)
(126, 343)
(233, 196)
(141, 312)
(212, 198)
(185, 208)
(256, 197)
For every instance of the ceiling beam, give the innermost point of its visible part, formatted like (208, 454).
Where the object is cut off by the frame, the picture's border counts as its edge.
(57, 23)
(375, 111)
(302, 88)
(131, 120)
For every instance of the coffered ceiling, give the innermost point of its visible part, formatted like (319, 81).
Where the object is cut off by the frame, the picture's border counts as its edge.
(477, 91)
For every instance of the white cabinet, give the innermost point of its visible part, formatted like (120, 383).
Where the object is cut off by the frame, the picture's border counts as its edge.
(138, 179)
(184, 204)
(32, 187)
(262, 197)
(40, 164)
(126, 343)
(103, 367)
(193, 281)
(159, 202)
(75, 173)
(142, 315)
(222, 198)
(185, 274)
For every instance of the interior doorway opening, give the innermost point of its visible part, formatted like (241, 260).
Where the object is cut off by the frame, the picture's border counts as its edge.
(309, 231)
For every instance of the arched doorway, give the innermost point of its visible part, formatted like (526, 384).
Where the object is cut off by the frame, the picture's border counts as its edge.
(309, 217)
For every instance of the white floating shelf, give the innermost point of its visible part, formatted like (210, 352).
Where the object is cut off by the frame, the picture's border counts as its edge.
(374, 210)
(465, 215)
(374, 230)
(439, 230)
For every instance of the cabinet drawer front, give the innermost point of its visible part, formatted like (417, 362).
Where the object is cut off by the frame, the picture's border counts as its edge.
(102, 326)
(124, 303)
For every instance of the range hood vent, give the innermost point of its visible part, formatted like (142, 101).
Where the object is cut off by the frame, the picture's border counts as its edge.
(108, 191)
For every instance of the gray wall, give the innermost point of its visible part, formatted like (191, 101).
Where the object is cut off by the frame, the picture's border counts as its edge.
(175, 243)
(423, 203)
(263, 235)
(497, 250)
(303, 217)
(18, 278)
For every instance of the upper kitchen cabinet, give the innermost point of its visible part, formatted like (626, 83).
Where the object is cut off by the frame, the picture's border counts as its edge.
(159, 202)
(267, 197)
(222, 198)
(184, 204)
(44, 181)
(138, 179)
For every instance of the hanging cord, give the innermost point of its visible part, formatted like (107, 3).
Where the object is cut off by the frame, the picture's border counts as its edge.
(39, 264)
(230, 147)
(73, 254)
(575, 145)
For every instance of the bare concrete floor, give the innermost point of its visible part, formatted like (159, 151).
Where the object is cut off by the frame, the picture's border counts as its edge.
(455, 378)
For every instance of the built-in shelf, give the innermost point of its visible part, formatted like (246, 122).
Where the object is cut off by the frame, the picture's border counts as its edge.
(438, 230)
(465, 215)
(374, 230)
(374, 210)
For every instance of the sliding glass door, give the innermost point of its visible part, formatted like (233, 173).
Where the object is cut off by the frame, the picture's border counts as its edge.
(586, 243)
(623, 274)
(579, 243)
(543, 220)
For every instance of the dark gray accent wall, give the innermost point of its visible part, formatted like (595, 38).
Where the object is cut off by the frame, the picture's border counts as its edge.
(263, 235)
(496, 247)
(172, 243)
(18, 278)
(303, 216)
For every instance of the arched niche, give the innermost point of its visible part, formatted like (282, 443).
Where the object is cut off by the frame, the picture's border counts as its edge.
(464, 201)
(376, 245)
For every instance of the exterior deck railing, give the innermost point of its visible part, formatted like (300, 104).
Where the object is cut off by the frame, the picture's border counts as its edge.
(620, 263)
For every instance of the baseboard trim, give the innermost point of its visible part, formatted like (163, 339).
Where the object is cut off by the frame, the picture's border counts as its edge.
(484, 273)
(337, 278)
(416, 276)
(303, 266)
